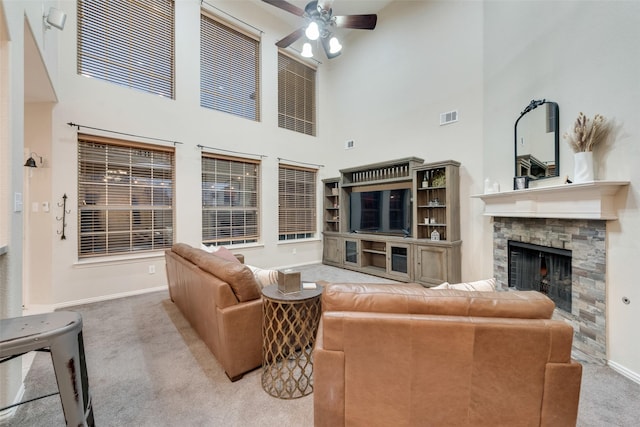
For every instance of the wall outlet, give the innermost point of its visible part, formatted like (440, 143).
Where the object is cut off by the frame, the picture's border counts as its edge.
(294, 251)
(348, 145)
(152, 269)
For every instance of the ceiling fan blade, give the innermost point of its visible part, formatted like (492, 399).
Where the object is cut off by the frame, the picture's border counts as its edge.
(325, 46)
(358, 22)
(286, 41)
(285, 5)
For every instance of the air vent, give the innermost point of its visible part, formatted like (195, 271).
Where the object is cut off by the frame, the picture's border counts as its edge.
(349, 144)
(448, 117)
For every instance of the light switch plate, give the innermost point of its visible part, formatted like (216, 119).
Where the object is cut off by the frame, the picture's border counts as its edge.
(17, 202)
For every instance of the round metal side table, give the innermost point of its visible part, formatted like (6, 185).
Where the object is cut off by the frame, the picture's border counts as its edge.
(289, 327)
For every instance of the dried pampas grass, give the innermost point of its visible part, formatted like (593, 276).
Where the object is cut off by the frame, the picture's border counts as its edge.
(587, 133)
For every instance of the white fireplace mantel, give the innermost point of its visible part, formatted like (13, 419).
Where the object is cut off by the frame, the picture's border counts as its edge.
(590, 200)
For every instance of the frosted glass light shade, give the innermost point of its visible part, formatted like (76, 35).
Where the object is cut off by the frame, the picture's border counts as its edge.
(306, 50)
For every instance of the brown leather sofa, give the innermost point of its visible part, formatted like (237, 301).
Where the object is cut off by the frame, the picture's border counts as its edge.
(404, 355)
(222, 301)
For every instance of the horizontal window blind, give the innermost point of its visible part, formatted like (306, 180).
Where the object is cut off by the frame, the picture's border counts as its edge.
(297, 202)
(230, 200)
(229, 70)
(296, 95)
(128, 42)
(125, 197)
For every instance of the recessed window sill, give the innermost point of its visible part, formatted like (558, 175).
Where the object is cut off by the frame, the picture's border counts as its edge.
(117, 259)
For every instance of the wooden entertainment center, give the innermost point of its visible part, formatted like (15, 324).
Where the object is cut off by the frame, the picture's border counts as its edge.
(417, 244)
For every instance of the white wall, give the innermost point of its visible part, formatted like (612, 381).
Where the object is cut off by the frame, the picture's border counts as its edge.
(387, 91)
(103, 105)
(583, 55)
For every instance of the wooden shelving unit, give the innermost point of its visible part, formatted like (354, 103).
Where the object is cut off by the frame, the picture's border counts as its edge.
(436, 201)
(422, 257)
(331, 204)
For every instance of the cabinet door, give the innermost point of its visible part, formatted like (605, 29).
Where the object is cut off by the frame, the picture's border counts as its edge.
(432, 264)
(399, 261)
(331, 253)
(351, 250)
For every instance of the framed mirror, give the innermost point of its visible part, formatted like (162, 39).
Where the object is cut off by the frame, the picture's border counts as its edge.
(537, 142)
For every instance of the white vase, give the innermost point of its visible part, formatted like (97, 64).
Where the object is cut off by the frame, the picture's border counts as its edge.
(583, 167)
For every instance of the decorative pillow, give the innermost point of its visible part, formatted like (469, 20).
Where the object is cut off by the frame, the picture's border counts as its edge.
(225, 253)
(264, 277)
(444, 285)
(486, 285)
(211, 249)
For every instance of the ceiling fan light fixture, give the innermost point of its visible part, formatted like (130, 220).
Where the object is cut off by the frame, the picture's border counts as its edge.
(306, 50)
(334, 45)
(312, 32)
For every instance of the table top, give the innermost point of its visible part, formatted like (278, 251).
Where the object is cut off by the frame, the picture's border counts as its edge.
(271, 292)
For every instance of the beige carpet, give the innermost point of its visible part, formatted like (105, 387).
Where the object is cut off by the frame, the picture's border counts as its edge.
(148, 368)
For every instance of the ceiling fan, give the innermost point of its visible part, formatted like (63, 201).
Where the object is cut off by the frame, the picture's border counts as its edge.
(321, 24)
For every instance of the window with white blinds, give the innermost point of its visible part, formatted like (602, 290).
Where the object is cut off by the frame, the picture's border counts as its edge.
(297, 203)
(296, 95)
(128, 42)
(125, 197)
(229, 69)
(230, 200)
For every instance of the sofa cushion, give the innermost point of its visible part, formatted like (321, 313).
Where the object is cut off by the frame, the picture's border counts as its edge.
(415, 299)
(236, 274)
(184, 250)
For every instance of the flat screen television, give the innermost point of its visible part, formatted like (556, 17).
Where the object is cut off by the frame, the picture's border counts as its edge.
(381, 211)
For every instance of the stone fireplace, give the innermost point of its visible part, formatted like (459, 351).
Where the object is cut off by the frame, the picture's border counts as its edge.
(585, 239)
(569, 220)
(543, 269)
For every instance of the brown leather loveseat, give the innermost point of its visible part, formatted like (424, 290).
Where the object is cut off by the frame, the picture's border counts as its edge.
(404, 355)
(222, 301)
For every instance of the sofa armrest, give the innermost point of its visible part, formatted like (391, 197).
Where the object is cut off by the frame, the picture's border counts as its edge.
(561, 394)
(328, 385)
(240, 330)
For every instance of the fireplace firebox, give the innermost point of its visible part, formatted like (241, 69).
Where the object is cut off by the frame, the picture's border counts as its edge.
(543, 269)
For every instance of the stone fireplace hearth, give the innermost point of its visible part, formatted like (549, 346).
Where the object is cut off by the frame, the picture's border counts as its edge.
(570, 217)
(586, 241)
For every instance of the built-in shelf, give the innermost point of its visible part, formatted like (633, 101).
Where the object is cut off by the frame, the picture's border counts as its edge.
(589, 200)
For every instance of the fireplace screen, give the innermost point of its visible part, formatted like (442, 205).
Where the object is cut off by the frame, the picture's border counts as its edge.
(542, 269)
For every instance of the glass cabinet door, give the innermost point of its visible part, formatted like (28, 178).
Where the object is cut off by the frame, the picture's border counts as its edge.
(399, 256)
(351, 251)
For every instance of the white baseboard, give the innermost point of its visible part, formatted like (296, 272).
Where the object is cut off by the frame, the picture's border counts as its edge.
(302, 264)
(7, 414)
(108, 297)
(633, 376)
(48, 308)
